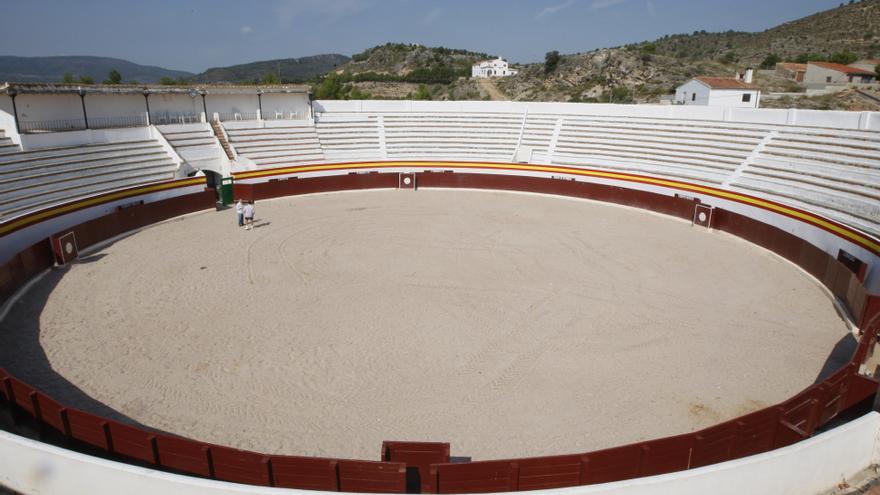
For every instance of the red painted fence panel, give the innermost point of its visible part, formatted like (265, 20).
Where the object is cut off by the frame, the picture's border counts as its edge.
(240, 466)
(757, 432)
(537, 473)
(23, 395)
(132, 442)
(52, 413)
(307, 473)
(666, 455)
(184, 455)
(373, 477)
(618, 463)
(418, 455)
(715, 444)
(88, 428)
(476, 477)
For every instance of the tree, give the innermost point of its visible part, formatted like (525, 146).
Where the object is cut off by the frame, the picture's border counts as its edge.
(649, 48)
(113, 77)
(329, 89)
(86, 80)
(877, 70)
(844, 57)
(271, 78)
(551, 60)
(770, 61)
(167, 81)
(68, 78)
(728, 58)
(422, 93)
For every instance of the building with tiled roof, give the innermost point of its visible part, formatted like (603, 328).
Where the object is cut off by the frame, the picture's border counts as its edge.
(829, 75)
(792, 71)
(719, 91)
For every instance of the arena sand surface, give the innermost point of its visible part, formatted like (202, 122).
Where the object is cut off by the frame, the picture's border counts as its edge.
(506, 324)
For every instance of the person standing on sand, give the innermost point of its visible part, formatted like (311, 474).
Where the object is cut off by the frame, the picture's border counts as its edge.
(249, 215)
(239, 209)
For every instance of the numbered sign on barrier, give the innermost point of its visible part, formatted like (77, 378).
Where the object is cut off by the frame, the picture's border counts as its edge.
(407, 181)
(703, 215)
(64, 247)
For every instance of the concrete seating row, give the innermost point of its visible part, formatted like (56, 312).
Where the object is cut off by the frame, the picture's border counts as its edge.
(350, 137)
(836, 175)
(193, 142)
(30, 180)
(294, 142)
(473, 136)
(6, 144)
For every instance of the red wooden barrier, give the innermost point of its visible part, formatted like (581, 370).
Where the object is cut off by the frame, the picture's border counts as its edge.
(475, 477)
(615, 464)
(23, 395)
(715, 444)
(184, 455)
(537, 473)
(666, 455)
(5, 385)
(307, 473)
(372, 477)
(52, 413)
(133, 442)
(89, 428)
(757, 432)
(240, 466)
(418, 455)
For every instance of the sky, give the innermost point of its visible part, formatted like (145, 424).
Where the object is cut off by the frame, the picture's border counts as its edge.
(196, 35)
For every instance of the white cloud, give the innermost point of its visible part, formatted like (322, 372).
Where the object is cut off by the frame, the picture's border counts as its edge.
(552, 9)
(432, 16)
(604, 4)
(288, 10)
(247, 30)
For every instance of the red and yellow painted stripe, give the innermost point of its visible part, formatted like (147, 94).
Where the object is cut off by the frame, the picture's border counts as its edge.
(836, 228)
(54, 211)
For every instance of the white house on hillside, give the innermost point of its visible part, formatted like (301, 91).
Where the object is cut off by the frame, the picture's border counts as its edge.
(719, 92)
(492, 68)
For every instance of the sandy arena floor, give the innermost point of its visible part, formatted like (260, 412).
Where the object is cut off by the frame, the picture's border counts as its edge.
(506, 324)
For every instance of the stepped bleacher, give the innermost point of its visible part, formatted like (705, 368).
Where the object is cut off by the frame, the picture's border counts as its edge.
(831, 172)
(6, 144)
(192, 142)
(30, 180)
(447, 136)
(350, 137)
(690, 151)
(284, 143)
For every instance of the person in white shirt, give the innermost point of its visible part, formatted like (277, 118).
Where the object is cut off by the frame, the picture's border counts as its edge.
(239, 209)
(249, 215)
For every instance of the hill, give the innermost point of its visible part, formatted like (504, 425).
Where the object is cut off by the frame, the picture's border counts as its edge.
(400, 70)
(52, 69)
(644, 71)
(291, 69)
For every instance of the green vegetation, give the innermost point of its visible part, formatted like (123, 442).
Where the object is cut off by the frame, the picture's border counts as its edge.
(271, 78)
(877, 70)
(845, 57)
(68, 78)
(113, 77)
(422, 93)
(770, 61)
(551, 61)
(86, 80)
(649, 48)
(810, 57)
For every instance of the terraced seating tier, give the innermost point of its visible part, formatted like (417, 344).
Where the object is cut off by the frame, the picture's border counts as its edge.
(30, 180)
(290, 144)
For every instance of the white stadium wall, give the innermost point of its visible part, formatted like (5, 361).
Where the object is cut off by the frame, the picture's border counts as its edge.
(176, 104)
(40, 108)
(244, 104)
(285, 104)
(115, 107)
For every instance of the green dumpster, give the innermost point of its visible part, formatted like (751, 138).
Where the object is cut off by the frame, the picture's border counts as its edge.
(226, 191)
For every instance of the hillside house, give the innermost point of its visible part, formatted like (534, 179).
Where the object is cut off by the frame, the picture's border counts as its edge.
(719, 92)
(791, 71)
(492, 68)
(868, 65)
(828, 75)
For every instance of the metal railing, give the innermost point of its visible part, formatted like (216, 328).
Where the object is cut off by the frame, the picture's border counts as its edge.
(52, 125)
(175, 118)
(122, 121)
(227, 116)
(299, 115)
